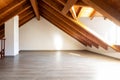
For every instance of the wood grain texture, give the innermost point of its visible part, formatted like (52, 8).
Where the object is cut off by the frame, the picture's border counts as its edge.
(68, 5)
(71, 65)
(34, 4)
(4, 3)
(65, 27)
(12, 10)
(109, 8)
(44, 5)
(2, 31)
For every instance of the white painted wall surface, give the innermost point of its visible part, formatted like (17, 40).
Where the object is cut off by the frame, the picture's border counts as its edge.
(12, 36)
(106, 29)
(110, 52)
(42, 35)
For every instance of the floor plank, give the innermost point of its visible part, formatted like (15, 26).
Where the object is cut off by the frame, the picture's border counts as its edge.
(71, 65)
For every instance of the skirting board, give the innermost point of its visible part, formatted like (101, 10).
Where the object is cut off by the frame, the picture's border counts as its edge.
(48, 50)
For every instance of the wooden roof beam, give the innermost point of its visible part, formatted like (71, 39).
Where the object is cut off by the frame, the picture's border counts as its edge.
(53, 18)
(25, 12)
(35, 8)
(63, 26)
(73, 13)
(12, 10)
(74, 26)
(81, 3)
(26, 18)
(92, 15)
(68, 5)
(28, 7)
(61, 2)
(22, 17)
(105, 9)
(56, 4)
(2, 31)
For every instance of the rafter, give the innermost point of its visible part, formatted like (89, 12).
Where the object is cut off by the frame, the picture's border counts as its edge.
(81, 3)
(63, 3)
(25, 15)
(56, 4)
(35, 8)
(68, 5)
(116, 47)
(72, 10)
(85, 12)
(28, 7)
(4, 3)
(73, 26)
(2, 31)
(78, 28)
(92, 15)
(73, 13)
(12, 10)
(105, 9)
(26, 18)
(63, 26)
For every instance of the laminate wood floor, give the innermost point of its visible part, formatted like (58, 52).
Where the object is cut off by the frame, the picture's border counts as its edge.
(71, 65)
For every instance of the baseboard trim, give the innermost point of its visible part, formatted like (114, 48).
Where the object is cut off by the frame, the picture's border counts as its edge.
(48, 50)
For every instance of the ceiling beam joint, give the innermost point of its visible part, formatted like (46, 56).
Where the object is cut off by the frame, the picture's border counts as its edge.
(68, 6)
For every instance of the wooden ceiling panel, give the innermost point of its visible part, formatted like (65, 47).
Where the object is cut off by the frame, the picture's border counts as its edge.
(11, 6)
(22, 17)
(26, 18)
(2, 26)
(4, 3)
(64, 1)
(55, 4)
(114, 4)
(26, 12)
(2, 31)
(81, 3)
(108, 8)
(13, 10)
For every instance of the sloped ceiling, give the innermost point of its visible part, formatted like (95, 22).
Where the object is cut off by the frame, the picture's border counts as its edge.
(62, 13)
(109, 8)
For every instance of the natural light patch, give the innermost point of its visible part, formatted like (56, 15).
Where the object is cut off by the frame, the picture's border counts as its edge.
(111, 35)
(117, 36)
(58, 42)
(108, 71)
(86, 12)
(93, 32)
(74, 54)
(103, 29)
(58, 56)
(74, 11)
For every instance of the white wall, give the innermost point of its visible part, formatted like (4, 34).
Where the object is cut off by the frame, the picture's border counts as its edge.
(106, 29)
(110, 52)
(12, 36)
(42, 35)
